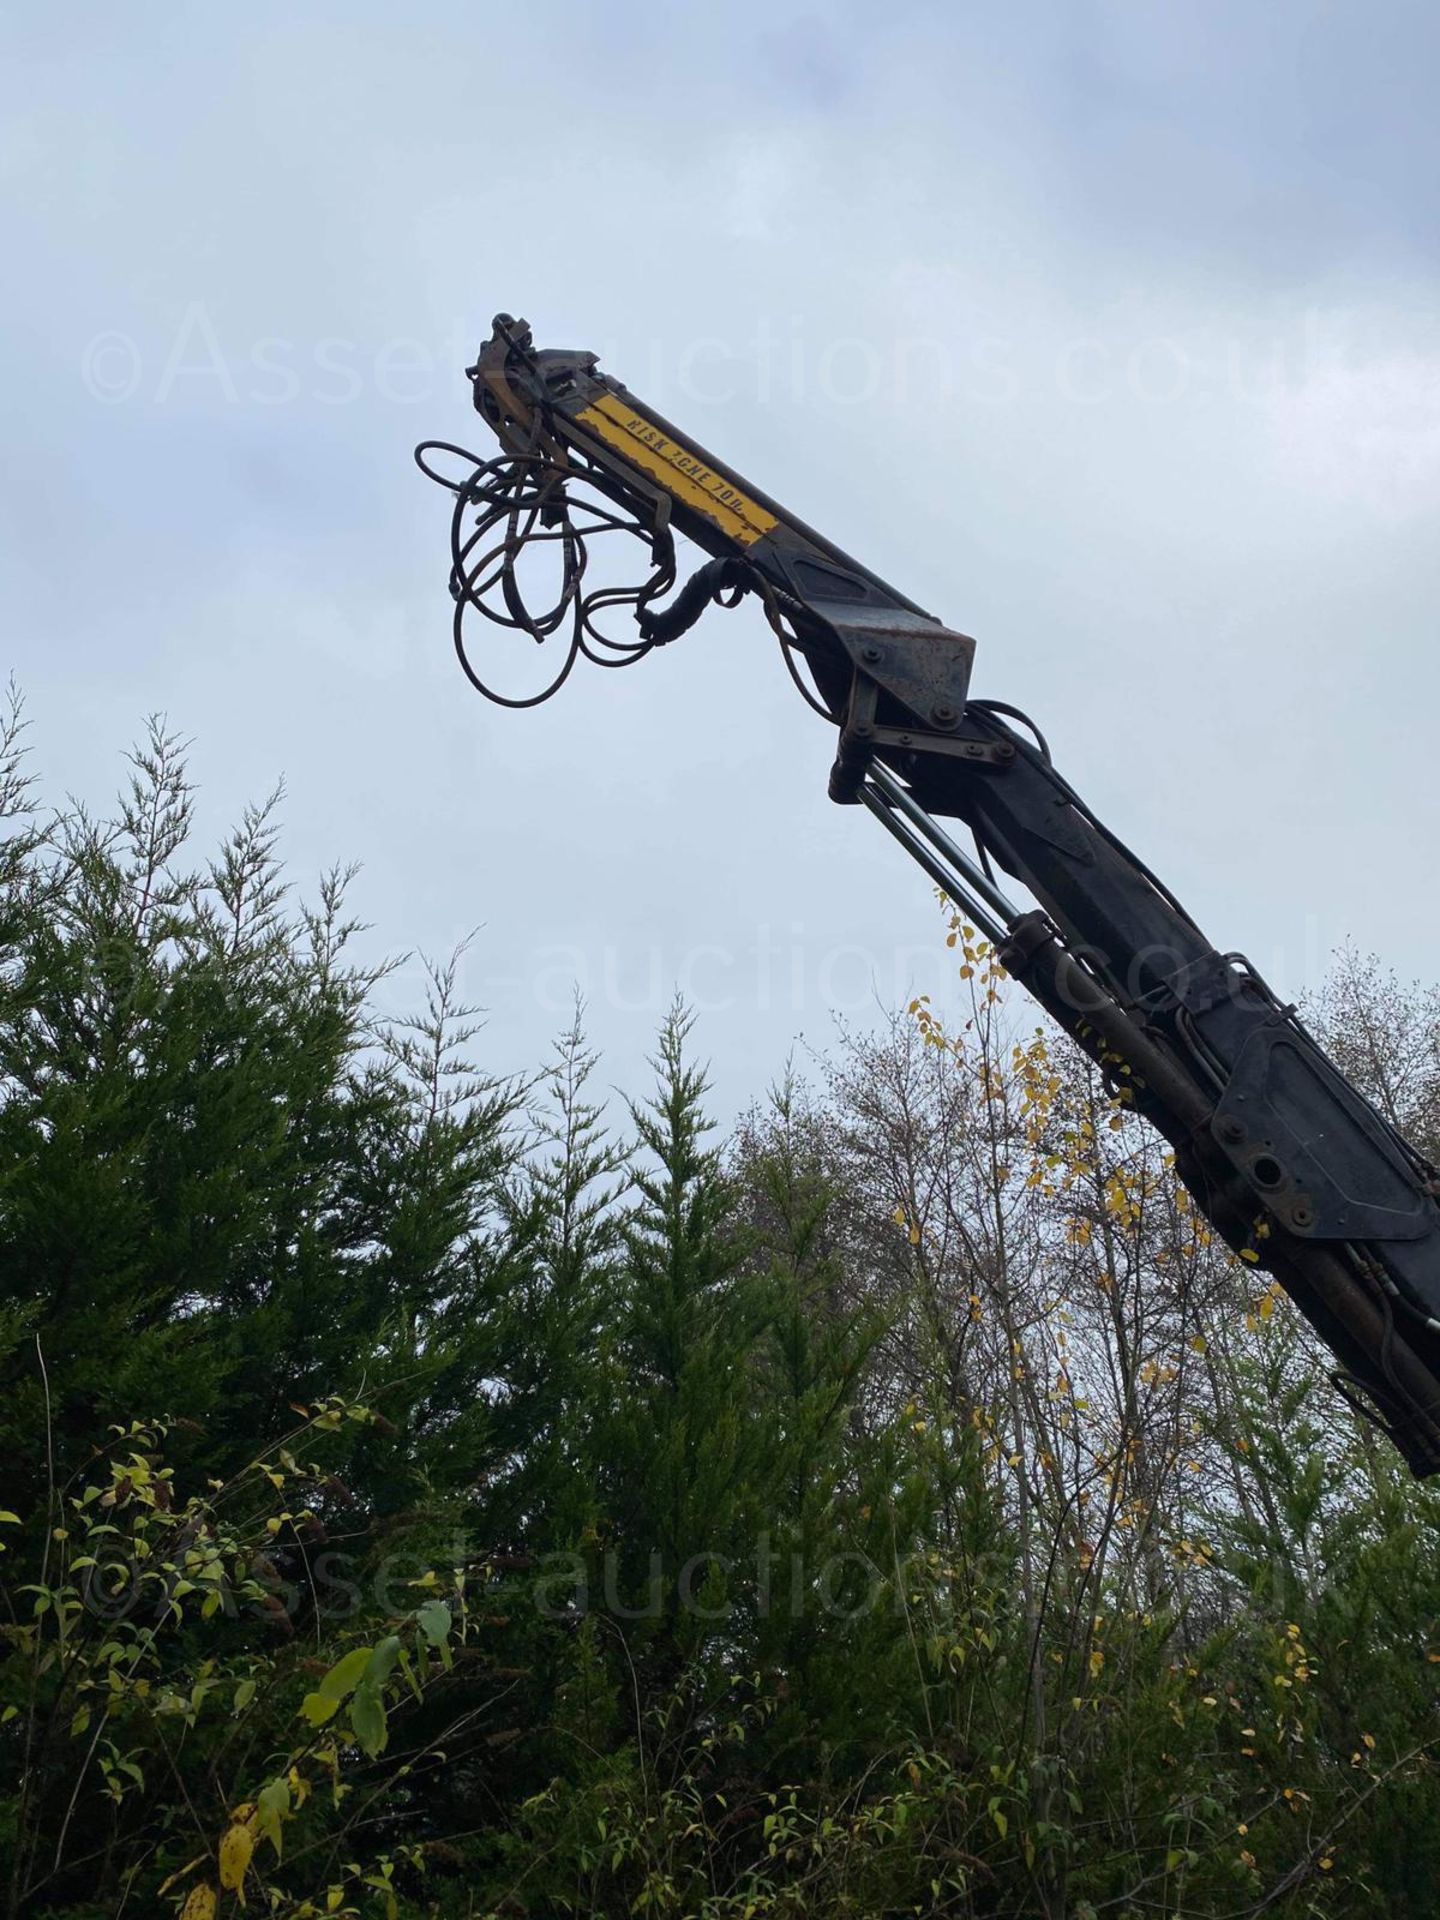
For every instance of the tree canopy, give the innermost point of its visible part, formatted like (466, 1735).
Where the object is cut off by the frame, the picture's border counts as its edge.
(426, 1493)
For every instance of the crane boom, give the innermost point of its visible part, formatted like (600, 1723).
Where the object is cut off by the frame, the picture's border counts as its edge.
(1286, 1159)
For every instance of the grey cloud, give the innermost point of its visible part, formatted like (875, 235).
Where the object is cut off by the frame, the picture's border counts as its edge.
(1107, 331)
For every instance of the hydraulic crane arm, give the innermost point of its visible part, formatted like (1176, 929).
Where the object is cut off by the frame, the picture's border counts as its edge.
(1283, 1156)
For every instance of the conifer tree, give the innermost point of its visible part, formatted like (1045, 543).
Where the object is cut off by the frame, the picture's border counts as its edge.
(681, 1447)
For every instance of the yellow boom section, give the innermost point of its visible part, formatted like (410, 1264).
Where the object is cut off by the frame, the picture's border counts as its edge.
(619, 425)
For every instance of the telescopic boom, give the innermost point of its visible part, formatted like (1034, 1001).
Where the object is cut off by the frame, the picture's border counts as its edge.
(1285, 1158)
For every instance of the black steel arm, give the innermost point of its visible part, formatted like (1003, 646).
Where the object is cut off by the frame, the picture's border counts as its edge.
(1282, 1155)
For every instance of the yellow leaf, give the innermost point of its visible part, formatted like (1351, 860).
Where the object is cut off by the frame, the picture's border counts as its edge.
(1097, 1660)
(1369, 1739)
(235, 1851)
(914, 1234)
(200, 1905)
(1249, 1253)
(1198, 1343)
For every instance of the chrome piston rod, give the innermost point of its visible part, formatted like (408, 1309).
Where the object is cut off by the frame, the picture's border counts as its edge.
(947, 863)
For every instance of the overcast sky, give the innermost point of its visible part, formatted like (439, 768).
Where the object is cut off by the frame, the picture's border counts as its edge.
(1106, 331)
